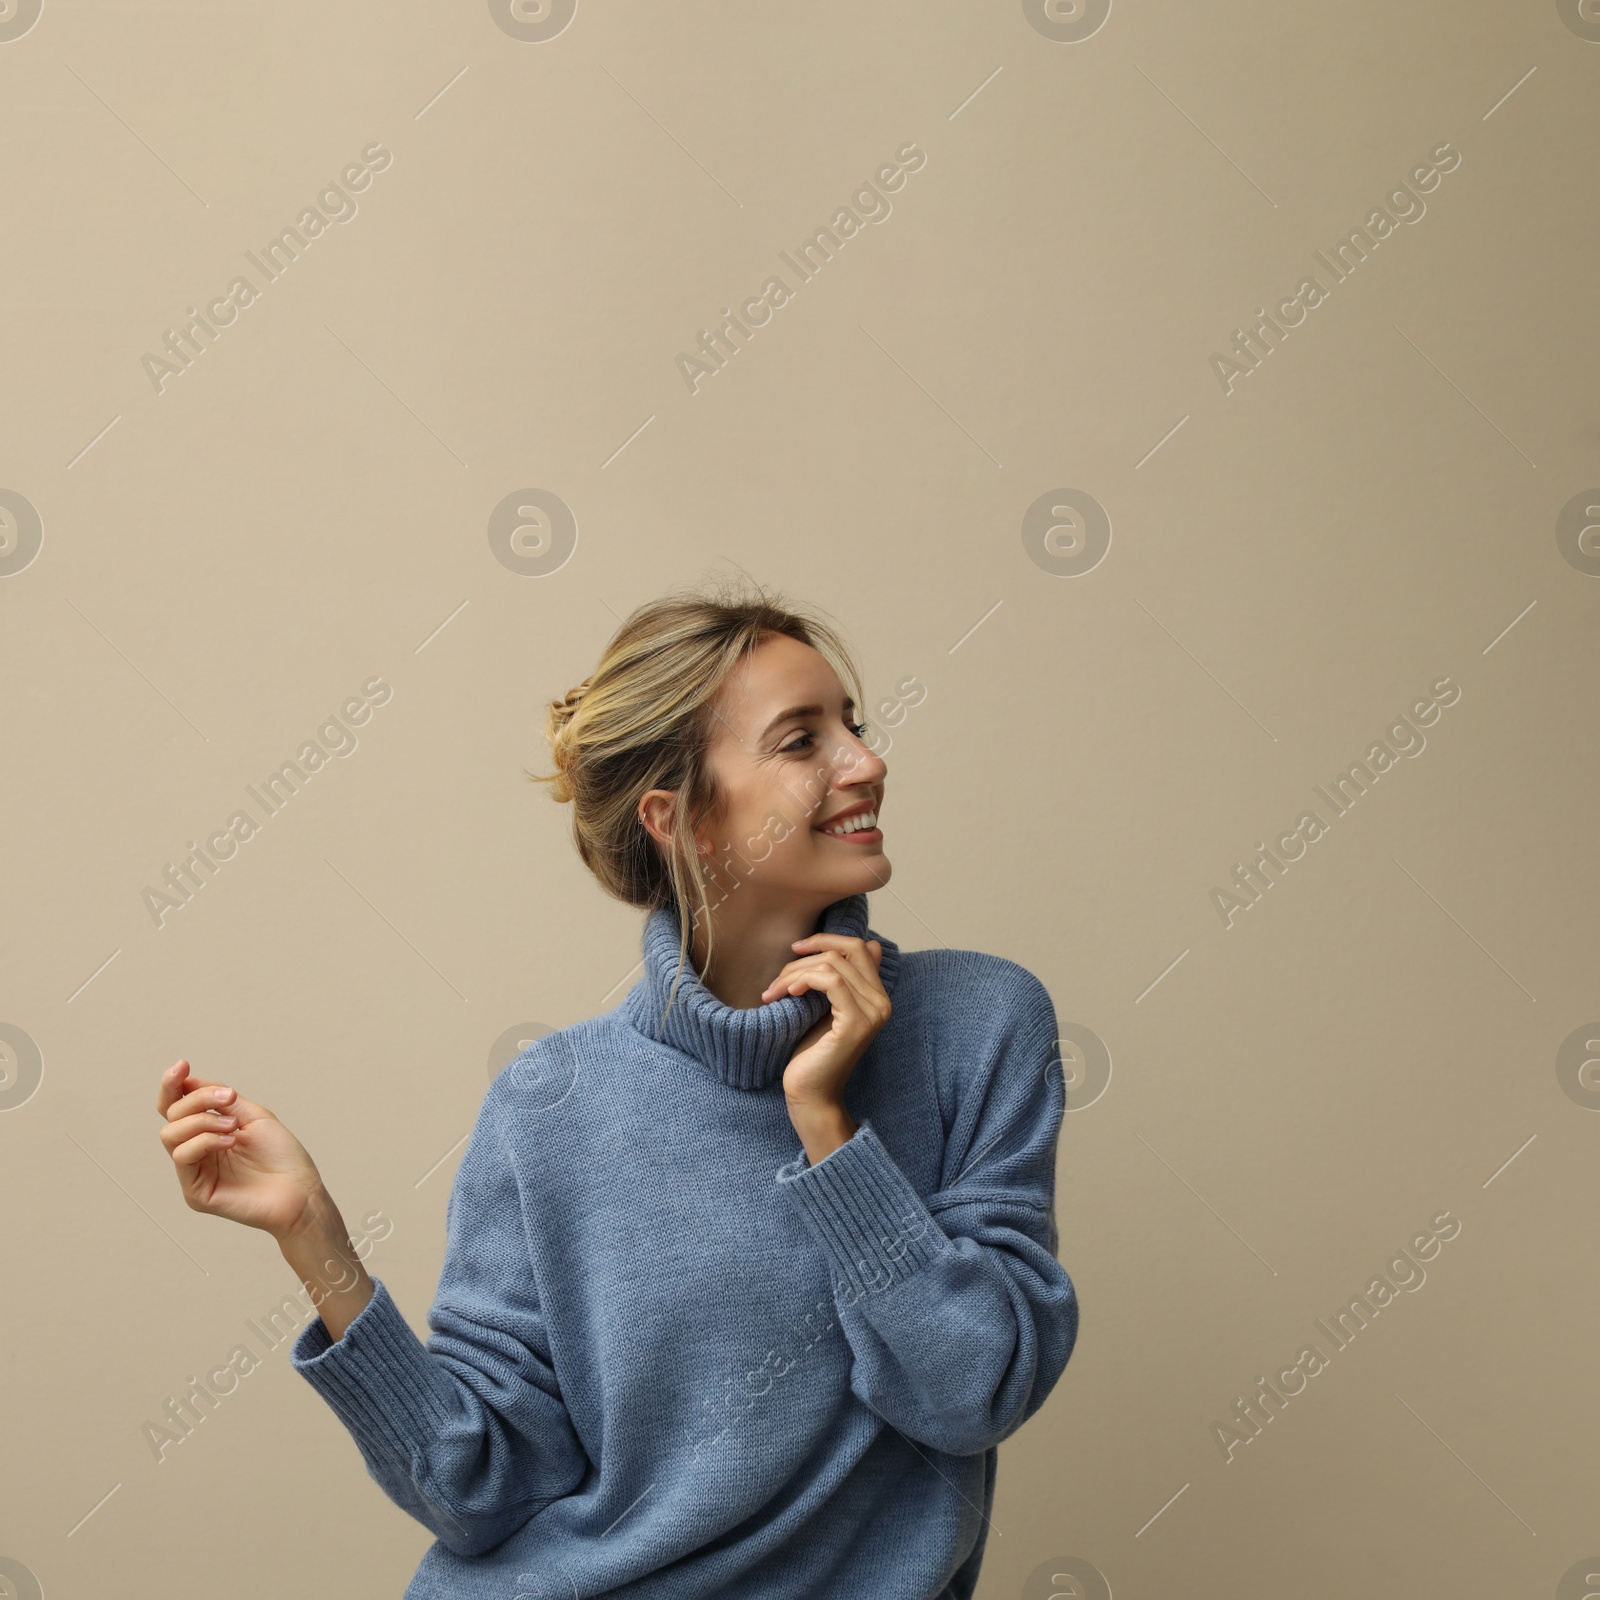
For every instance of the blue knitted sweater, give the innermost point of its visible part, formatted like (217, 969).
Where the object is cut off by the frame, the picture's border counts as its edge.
(670, 1359)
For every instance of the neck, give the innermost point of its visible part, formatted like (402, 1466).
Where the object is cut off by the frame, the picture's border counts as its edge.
(751, 946)
(747, 1047)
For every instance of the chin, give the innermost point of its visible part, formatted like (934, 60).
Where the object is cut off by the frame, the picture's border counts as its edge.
(872, 873)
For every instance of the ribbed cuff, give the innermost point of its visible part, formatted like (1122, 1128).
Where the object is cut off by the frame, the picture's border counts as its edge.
(864, 1213)
(379, 1378)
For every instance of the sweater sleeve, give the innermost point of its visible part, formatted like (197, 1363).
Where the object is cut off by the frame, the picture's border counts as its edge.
(469, 1433)
(958, 1313)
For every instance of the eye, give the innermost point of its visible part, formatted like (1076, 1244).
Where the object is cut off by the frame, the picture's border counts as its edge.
(805, 739)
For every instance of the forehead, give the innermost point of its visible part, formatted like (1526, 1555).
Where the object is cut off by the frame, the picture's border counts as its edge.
(780, 672)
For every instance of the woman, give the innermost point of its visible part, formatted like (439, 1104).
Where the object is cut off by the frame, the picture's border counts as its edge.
(746, 1279)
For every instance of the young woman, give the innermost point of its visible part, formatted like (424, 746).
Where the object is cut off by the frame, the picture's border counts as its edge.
(747, 1278)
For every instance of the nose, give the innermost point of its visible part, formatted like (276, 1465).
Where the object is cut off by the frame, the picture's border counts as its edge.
(858, 763)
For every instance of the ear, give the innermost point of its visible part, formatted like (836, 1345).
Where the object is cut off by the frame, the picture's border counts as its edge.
(656, 810)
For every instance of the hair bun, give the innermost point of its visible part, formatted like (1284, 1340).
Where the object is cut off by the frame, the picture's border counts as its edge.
(563, 710)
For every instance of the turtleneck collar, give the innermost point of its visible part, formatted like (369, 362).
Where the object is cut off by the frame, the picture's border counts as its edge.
(746, 1047)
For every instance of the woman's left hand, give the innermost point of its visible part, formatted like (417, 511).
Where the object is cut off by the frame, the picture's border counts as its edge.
(846, 971)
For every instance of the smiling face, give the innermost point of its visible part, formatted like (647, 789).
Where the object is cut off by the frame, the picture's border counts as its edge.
(789, 765)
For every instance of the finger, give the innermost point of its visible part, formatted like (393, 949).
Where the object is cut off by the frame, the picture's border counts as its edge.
(834, 977)
(856, 959)
(176, 1082)
(872, 1000)
(858, 973)
(828, 941)
(201, 1146)
(218, 1095)
(863, 954)
(222, 1097)
(171, 1086)
(176, 1133)
(824, 961)
(864, 960)
(791, 969)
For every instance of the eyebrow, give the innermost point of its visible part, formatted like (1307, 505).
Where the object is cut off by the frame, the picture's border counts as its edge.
(802, 711)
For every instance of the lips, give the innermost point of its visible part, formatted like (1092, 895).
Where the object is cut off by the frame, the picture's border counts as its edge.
(848, 811)
(860, 815)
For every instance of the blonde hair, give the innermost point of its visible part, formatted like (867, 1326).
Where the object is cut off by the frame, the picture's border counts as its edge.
(644, 719)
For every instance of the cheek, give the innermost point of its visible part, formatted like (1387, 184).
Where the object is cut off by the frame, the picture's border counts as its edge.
(792, 833)
(795, 834)
(798, 797)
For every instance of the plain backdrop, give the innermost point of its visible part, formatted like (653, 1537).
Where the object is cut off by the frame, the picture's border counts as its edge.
(1128, 581)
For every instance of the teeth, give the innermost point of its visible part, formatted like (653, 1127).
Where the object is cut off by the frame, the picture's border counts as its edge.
(862, 819)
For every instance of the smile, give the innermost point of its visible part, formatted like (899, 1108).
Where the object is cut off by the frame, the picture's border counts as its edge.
(863, 822)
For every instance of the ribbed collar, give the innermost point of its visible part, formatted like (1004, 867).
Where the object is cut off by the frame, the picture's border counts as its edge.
(746, 1047)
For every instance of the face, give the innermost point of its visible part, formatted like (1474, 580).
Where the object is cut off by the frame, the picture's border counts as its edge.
(789, 763)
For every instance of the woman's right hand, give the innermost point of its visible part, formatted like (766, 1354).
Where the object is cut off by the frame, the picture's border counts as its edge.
(234, 1158)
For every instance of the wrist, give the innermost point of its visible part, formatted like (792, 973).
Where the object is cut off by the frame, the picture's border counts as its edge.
(823, 1125)
(319, 1219)
(318, 1248)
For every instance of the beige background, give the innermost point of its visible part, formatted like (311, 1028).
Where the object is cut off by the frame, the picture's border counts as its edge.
(225, 562)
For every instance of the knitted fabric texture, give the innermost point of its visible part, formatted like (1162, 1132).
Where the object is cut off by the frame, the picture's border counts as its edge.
(670, 1359)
